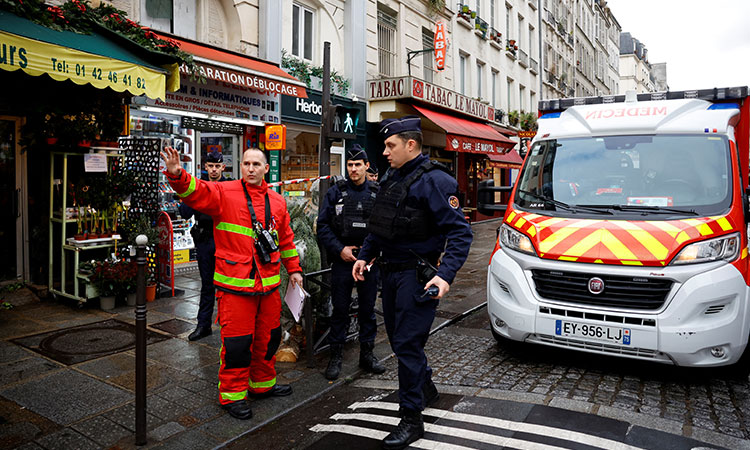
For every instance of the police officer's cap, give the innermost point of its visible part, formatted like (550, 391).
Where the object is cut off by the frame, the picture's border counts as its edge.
(215, 157)
(389, 127)
(356, 153)
(372, 170)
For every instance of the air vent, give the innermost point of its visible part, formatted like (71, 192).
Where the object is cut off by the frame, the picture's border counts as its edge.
(715, 309)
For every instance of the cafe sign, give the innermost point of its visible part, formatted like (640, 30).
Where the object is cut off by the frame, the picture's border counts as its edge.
(413, 88)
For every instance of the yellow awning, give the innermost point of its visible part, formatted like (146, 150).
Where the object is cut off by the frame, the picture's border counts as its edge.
(63, 63)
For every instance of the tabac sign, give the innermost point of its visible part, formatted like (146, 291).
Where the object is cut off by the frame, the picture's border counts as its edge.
(409, 87)
(440, 45)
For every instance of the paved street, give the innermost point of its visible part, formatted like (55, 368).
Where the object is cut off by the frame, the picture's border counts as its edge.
(87, 401)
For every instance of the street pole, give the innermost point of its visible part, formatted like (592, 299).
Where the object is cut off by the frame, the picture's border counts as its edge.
(140, 341)
(324, 154)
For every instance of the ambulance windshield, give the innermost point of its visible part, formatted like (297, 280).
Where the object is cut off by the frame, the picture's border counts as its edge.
(670, 174)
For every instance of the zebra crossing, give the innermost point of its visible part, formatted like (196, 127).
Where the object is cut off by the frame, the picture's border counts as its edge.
(459, 430)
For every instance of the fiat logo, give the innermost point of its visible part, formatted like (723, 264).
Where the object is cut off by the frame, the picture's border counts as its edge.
(596, 285)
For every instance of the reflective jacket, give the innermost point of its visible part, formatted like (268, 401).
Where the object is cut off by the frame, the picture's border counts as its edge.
(238, 268)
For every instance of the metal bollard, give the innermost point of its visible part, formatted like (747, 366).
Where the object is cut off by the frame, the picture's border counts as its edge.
(140, 341)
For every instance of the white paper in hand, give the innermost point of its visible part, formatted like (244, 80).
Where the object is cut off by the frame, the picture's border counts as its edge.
(295, 298)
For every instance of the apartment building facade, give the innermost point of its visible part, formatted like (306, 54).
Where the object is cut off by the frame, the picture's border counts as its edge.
(635, 70)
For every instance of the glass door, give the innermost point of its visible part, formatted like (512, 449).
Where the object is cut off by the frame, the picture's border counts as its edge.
(11, 207)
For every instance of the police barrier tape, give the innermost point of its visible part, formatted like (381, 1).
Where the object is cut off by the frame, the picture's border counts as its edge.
(299, 180)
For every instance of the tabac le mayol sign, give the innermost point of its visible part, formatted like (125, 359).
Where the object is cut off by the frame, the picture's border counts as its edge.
(409, 87)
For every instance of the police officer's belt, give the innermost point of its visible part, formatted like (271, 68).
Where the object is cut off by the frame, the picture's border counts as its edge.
(387, 266)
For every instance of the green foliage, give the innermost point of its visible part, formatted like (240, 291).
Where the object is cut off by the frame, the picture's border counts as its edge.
(133, 226)
(304, 72)
(528, 121)
(114, 278)
(436, 6)
(513, 117)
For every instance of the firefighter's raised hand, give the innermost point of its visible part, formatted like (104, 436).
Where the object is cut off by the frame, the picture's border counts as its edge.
(171, 158)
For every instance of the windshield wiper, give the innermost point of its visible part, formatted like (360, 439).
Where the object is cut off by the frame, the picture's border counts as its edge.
(559, 204)
(646, 209)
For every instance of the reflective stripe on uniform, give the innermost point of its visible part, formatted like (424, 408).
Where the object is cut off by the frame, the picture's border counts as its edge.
(271, 280)
(263, 384)
(190, 188)
(233, 228)
(289, 253)
(237, 282)
(234, 396)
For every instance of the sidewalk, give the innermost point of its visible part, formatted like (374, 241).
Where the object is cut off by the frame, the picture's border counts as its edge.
(67, 374)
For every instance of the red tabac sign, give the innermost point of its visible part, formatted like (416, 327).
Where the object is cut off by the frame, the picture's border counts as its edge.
(440, 45)
(409, 87)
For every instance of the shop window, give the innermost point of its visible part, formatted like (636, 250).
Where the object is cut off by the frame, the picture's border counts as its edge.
(302, 31)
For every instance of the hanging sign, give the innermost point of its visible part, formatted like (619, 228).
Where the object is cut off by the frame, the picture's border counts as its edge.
(275, 137)
(440, 45)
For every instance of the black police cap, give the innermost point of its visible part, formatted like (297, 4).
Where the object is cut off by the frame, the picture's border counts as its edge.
(355, 153)
(389, 127)
(215, 157)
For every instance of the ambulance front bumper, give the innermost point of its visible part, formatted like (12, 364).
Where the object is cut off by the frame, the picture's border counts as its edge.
(702, 322)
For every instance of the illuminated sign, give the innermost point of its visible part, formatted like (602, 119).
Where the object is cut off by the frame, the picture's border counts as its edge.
(440, 45)
(275, 137)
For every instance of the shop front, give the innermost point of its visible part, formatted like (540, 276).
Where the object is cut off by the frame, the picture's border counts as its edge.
(62, 92)
(456, 132)
(226, 111)
(302, 118)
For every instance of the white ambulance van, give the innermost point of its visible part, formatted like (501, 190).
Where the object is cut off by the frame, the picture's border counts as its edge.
(626, 232)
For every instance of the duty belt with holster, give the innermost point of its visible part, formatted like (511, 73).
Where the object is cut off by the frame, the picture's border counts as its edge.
(425, 269)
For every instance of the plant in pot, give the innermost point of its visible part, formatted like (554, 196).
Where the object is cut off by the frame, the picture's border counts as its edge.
(513, 117)
(104, 280)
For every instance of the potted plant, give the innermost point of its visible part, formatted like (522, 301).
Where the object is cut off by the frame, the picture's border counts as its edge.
(513, 118)
(113, 280)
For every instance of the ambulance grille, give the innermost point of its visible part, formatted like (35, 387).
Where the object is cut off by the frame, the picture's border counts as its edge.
(619, 292)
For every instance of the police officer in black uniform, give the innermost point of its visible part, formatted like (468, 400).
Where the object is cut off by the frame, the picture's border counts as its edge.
(372, 173)
(418, 217)
(203, 236)
(342, 226)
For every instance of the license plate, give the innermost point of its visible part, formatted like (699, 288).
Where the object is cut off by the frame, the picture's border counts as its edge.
(613, 335)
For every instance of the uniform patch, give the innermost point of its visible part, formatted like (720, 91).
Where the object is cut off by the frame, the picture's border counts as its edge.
(453, 201)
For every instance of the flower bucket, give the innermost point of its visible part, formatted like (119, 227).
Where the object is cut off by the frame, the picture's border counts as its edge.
(52, 140)
(107, 303)
(130, 299)
(150, 292)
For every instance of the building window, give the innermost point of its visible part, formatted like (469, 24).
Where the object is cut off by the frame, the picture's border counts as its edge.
(510, 94)
(521, 95)
(428, 41)
(492, 13)
(494, 88)
(386, 43)
(520, 36)
(480, 69)
(302, 32)
(508, 15)
(462, 74)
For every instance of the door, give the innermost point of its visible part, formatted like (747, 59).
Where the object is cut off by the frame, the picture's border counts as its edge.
(13, 244)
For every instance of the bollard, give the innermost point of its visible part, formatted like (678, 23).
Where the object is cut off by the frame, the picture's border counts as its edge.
(140, 342)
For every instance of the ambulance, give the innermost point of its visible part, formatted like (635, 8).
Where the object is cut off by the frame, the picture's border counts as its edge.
(626, 232)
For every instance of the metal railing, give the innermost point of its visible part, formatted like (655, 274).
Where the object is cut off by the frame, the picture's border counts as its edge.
(386, 44)
(534, 65)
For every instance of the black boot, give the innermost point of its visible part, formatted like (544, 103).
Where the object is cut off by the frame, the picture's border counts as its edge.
(200, 332)
(429, 392)
(367, 360)
(334, 365)
(409, 430)
(239, 409)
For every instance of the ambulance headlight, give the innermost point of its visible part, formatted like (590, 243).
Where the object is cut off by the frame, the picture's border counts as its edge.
(724, 248)
(512, 239)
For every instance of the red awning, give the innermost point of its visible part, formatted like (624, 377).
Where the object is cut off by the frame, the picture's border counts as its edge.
(465, 135)
(510, 160)
(242, 70)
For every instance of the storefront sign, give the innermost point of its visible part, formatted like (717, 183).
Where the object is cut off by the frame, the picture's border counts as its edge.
(61, 63)
(247, 80)
(526, 134)
(308, 111)
(197, 123)
(459, 143)
(275, 137)
(408, 87)
(223, 99)
(440, 45)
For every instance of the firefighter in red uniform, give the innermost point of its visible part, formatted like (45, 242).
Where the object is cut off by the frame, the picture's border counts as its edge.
(253, 239)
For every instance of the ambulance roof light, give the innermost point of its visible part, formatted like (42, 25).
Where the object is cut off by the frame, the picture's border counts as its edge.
(715, 94)
(631, 96)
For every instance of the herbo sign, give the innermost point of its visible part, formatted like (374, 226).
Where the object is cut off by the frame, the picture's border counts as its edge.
(440, 45)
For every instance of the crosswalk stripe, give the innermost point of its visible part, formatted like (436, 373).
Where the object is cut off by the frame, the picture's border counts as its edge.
(380, 435)
(478, 436)
(543, 430)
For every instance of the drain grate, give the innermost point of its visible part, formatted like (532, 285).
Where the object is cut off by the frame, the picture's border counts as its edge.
(174, 326)
(85, 342)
